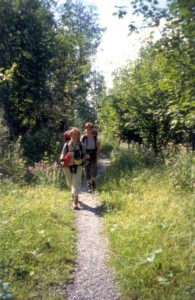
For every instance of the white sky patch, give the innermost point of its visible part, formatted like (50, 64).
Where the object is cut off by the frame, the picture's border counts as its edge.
(117, 45)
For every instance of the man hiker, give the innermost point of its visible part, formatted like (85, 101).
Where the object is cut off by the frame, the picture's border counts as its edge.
(91, 145)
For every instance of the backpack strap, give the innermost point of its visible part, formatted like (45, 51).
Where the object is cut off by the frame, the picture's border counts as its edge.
(66, 147)
(95, 141)
(85, 138)
(81, 149)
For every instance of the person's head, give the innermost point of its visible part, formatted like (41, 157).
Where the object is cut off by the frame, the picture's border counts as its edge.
(89, 127)
(75, 134)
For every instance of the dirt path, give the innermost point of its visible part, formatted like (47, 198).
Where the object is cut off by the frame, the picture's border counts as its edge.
(93, 279)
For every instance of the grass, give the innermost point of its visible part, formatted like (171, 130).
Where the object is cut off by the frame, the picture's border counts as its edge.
(37, 235)
(149, 222)
(148, 211)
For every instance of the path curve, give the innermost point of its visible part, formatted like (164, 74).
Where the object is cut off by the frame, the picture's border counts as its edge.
(92, 277)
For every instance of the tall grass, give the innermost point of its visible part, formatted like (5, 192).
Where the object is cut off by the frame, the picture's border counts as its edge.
(37, 235)
(12, 162)
(149, 215)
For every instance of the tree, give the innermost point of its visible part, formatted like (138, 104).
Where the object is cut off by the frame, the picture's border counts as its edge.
(83, 33)
(156, 95)
(51, 78)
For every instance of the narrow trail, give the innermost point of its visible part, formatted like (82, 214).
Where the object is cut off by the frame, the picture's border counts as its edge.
(92, 277)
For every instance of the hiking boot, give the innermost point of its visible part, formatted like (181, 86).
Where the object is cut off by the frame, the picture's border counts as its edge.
(89, 188)
(76, 202)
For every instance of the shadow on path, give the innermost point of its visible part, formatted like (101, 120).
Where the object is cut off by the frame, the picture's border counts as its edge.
(96, 210)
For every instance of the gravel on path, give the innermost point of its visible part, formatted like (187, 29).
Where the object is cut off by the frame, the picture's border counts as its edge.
(92, 276)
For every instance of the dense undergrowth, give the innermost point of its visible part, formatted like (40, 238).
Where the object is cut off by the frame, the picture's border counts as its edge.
(149, 214)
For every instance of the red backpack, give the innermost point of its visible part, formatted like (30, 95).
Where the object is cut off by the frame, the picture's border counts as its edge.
(67, 136)
(95, 132)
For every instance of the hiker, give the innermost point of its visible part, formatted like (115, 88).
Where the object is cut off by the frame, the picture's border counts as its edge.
(72, 157)
(91, 144)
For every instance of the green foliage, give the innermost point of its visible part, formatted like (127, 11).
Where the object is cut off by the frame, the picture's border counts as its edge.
(107, 144)
(37, 241)
(144, 102)
(149, 213)
(46, 173)
(109, 126)
(154, 97)
(12, 163)
(134, 156)
(51, 47)
(180, 167)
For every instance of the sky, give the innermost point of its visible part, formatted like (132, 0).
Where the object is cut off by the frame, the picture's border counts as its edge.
(117, 45)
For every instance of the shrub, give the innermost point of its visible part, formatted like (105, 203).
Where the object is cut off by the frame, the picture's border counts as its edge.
(12, 163)
(179, 165)
(46, 173)
(107, 144)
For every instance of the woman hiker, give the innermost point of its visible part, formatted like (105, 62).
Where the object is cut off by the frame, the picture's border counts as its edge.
(73, 154)
(91, 144)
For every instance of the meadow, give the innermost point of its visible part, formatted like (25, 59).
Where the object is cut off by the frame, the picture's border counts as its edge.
(148, 215)
(37, 235)
(148, 212)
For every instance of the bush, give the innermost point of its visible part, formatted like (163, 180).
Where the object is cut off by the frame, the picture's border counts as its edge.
(134, 155)
(107, 144)
(179, 165)
(46, 173)
(12, 163)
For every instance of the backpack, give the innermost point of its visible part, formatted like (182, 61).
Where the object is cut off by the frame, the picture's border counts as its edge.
(95, 132)
(66, 160)
(67, 136)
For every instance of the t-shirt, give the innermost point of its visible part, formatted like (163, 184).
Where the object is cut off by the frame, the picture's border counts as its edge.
(71, 150)
(89, 142)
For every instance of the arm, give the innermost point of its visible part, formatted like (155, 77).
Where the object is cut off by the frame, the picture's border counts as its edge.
(64, 151)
